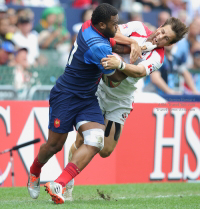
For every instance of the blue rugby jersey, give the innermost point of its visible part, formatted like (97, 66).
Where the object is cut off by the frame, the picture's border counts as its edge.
(83, 70)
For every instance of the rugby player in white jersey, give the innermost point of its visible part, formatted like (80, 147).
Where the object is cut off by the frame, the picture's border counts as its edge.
(116, 103)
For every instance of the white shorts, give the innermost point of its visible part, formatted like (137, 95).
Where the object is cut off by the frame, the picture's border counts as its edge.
(113, 109)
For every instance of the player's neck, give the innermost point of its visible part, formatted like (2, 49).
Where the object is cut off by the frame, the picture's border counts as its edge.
(98, 29)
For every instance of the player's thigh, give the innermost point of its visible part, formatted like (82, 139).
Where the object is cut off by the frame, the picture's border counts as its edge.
(62, 112)
(90, 117)
(113, 132)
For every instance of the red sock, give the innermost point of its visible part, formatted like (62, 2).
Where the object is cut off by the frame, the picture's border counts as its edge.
(36, 167)
(70, 171)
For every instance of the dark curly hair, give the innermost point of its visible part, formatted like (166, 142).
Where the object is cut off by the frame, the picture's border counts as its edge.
(103, 13)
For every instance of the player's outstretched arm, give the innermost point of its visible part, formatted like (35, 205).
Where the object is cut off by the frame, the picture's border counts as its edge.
(135, 71)
(118, 76)
(136, 51)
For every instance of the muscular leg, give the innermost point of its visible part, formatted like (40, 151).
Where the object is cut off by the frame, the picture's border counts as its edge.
(85, 153)
(47, 150)
(112, 135)
(110, 141)
(79, 141)
(81, 157)
(52, 146)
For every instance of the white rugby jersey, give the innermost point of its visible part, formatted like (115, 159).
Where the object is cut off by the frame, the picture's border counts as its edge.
(152, 61)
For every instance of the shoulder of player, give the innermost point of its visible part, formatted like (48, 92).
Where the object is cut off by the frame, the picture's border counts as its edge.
(161, 52)
(137, 28)
(97, 43)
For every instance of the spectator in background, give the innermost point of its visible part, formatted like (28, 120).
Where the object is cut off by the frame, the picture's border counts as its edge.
(20, 12)
(86, 15)
(182, 15)
(193, 32)
(37, 3)
(21, 74)
(164, 6)
(148, 5)
(3, 10)
(175, 6)
(197, 21)
(4, 27)
(135, 13)
(176, 57)
(196, 56)
(166, 79)
(162, 17)
(26, 38)
(52, 28)
(7, 49)
(12, 15)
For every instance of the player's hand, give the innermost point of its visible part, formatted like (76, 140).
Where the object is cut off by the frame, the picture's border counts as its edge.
(172, 92)
(135, 52)
(110, 62)
(148, 46)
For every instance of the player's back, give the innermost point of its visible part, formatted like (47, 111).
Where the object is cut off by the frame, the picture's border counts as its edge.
(83, 70)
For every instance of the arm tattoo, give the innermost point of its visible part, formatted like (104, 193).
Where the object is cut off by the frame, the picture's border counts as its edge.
(119, 49)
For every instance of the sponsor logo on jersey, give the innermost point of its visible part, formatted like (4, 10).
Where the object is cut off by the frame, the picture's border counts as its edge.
(56, 123)
(150, 68)
(125, 26)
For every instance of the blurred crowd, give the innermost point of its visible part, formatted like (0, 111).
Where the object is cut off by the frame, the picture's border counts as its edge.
(22, 40)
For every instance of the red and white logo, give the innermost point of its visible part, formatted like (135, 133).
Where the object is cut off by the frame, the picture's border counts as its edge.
(125, 26)
(150, 68)
(56, 123)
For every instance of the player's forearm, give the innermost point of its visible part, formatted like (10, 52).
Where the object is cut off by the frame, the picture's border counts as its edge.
(121, 39)
(117, 76)
(134, 71)
(188, 79)
(160, 83)
(121, 49)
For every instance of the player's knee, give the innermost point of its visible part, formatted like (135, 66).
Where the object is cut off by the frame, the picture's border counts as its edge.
(53, 149)
(94, 138)
(93, 150)
(105, 153)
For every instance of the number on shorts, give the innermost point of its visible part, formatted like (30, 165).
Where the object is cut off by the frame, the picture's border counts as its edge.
(72, 53)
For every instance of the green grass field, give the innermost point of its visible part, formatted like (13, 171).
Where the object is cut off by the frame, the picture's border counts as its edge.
(151, 196)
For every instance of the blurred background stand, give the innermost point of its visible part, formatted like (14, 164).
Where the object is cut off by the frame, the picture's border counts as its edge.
(11, 155)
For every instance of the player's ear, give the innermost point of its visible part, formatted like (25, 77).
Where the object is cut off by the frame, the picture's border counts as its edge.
(102, 25)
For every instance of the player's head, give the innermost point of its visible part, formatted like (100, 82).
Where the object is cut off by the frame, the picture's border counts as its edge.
(105, 19)
(172, 31)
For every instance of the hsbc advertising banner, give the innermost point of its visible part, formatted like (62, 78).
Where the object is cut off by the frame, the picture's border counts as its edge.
(159, 143)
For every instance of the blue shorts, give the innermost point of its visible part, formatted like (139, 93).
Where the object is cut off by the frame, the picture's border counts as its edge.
(66, 110)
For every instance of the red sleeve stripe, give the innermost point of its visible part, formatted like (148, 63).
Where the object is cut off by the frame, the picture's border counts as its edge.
(150, 55)
(148, 32)
(112, 42)
(160, 51)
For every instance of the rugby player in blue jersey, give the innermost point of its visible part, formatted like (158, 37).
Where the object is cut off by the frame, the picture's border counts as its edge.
(73, 102)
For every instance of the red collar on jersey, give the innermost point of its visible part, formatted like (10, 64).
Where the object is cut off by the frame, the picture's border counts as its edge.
(98, 31)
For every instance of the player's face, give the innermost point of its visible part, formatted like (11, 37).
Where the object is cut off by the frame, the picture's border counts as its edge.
(164, 37)
(111, 27)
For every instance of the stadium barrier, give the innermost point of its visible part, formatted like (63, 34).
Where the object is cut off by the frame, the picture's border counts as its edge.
(160, 142)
